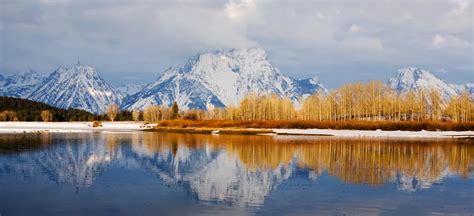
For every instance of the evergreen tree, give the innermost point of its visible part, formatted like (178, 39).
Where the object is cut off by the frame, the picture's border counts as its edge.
(175, 111)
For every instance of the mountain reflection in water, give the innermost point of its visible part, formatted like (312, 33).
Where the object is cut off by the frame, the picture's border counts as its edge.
(240, 170)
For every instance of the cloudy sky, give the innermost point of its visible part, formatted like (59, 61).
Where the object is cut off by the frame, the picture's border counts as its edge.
(133, 41)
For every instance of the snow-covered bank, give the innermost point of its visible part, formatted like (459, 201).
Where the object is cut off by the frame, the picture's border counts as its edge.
(376, 133)
(71, 127)
(66, 127)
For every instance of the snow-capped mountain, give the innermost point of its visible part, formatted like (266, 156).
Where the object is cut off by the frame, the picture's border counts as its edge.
(460, 88)
(129, 89)
(412, 78)
(218, 79)
(20, 84)
(78, 87)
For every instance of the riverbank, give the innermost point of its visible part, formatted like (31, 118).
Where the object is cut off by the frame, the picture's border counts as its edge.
(385, 125)
(77, 127)
(323, 132)
(69, 127)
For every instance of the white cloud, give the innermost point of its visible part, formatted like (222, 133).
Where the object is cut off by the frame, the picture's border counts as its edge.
(237, 10)
(461, 7)
(302, 37)
(440, 41)
(320, 15)
(362, 44)
(404, 18)
(354, 28)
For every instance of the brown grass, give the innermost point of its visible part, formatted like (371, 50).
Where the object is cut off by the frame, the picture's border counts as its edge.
(300, 124)
(209, 130)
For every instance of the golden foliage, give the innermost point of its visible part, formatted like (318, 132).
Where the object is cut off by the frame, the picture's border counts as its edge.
(46, 116)
(8, 115)
(358, 102)
(112, 111)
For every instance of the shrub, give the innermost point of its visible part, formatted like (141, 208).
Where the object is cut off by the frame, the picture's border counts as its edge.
(96, 124)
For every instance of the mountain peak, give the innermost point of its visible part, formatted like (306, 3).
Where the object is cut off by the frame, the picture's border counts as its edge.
(257, 51)
(244, 53)
(314, 80)
(414, 73)
(78, 86)
(220, 78)
(254, 52)
(413, 79)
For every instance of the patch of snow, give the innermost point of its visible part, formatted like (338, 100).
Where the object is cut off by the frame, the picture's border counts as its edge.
(129, 89)
(377, 133)
(67, 127)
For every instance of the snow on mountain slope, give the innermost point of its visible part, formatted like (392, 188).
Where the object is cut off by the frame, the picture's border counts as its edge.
(20, 84)
(218, 79)
(129, 89)
(469, 87)
(306, 87)
(412, 78)
(461, 88)
(78, 87)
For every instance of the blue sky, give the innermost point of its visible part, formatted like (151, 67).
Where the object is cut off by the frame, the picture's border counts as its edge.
(339, 41)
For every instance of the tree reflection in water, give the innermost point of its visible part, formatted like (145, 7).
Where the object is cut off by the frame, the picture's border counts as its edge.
(359, 161)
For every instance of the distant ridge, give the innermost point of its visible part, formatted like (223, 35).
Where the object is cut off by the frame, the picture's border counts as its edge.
(413, 79)
(20, 84)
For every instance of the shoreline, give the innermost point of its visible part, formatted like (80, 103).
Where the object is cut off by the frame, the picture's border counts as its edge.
(68, 127)
(84, 127)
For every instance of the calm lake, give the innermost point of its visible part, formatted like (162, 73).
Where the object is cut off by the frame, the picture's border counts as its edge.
(147, 173)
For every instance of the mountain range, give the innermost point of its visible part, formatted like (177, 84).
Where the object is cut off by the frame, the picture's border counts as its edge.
(206, 80)
(20, 84)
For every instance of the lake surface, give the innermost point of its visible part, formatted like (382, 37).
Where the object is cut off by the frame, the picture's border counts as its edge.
(147, 173)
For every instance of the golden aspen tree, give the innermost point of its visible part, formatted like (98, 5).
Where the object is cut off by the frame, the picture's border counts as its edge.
(112, 111)
(46, 116)
(136, 115)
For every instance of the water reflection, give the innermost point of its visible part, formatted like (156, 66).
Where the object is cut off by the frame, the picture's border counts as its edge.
(412, 164)
(67, 159)
(204, 165)
(240, 170)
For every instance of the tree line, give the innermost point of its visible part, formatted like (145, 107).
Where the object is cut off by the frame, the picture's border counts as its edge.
(17, 109)
(371, 101)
